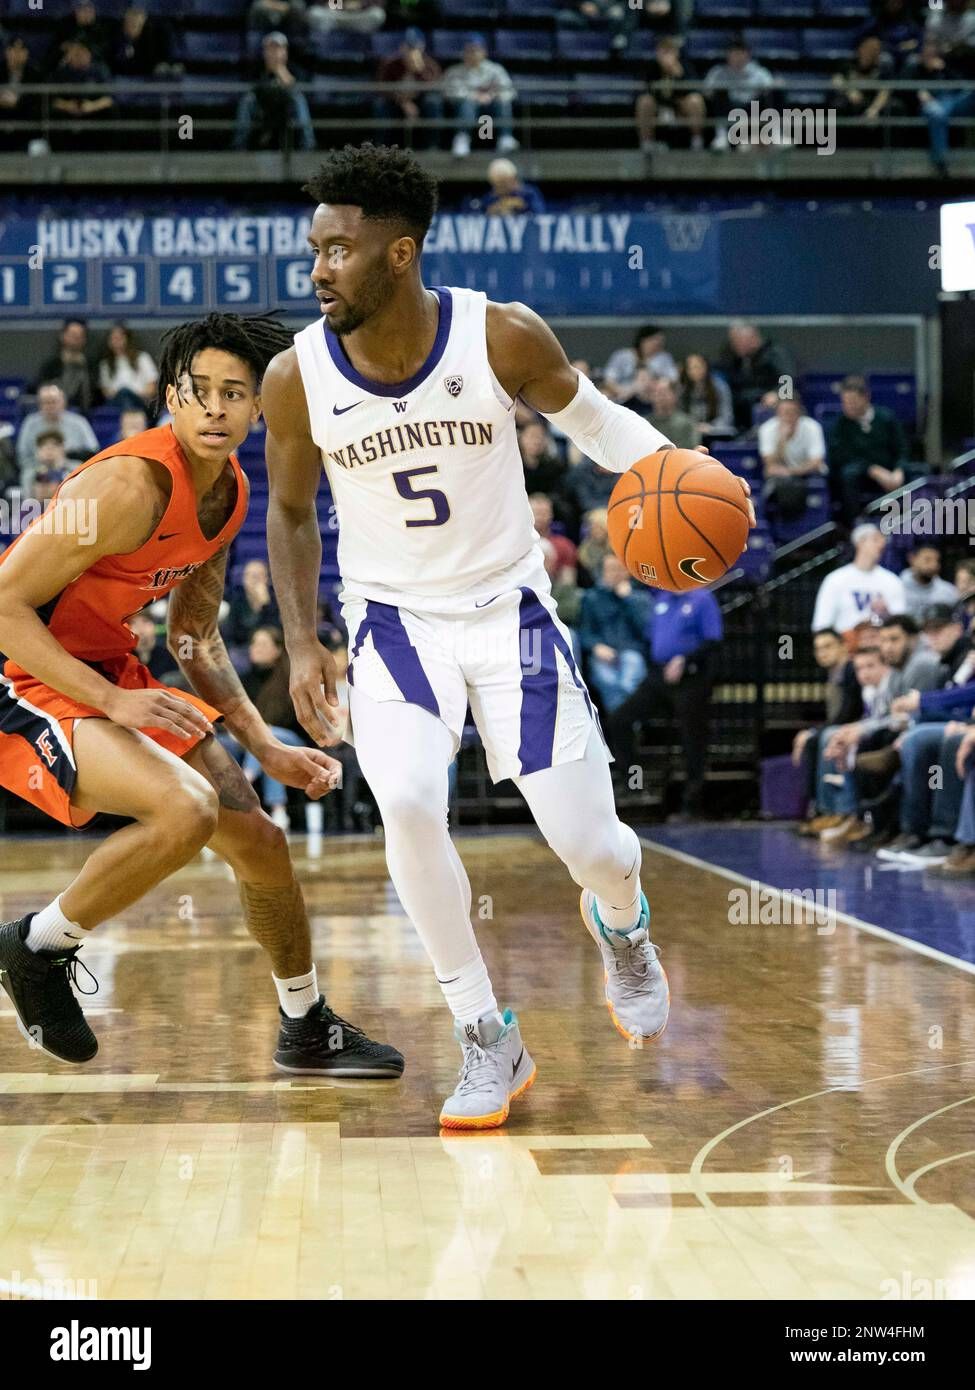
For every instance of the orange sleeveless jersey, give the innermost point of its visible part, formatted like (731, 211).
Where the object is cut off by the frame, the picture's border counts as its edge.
(89, 619)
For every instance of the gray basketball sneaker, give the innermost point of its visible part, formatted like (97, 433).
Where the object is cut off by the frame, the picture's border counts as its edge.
(495, 1071)
(637, 993)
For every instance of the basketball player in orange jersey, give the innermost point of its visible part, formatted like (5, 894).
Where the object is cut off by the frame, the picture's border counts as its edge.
(84, 728)
(407, 395)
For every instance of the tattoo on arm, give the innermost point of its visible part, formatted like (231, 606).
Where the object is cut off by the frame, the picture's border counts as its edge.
(195, 641)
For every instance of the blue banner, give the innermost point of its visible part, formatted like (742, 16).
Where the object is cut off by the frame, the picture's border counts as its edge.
(126, 263)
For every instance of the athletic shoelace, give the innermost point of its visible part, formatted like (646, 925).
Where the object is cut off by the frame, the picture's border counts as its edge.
(71, 964)
(475, 1071)
(633, 964)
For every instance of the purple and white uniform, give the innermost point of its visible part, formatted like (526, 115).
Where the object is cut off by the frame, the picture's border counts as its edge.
(444, 586)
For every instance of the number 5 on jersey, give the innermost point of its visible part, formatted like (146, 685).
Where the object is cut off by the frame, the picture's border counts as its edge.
(405, 488)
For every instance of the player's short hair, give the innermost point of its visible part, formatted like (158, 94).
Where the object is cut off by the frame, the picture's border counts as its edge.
(904, 621)
(868, 651)
(255, 339)
(387, 183)
(855, 383)
(827, 632)
(45, 435)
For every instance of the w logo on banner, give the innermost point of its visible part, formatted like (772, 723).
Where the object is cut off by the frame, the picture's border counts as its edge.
(400, 406)
(686, 232)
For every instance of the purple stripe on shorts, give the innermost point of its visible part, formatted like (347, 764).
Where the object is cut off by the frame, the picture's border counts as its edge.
(540, 682)
(401, 658)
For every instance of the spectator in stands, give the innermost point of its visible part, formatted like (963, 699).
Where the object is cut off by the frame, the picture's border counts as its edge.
(266, 682)
(665, 416)
(544, 470)
(132, 422)
(648, 352)
(510, 195)
(150, 646)
(836, 790)
(755, 368)
(867, 450)
(960, 862)
(49, 462)
(618, 15)
(792, 447)
(127, 375)
(144, 46)
(79, 437)
(594, 546)
(70, 365)
(870, 64)
(587, 487)
(732, 85)
(286, 16)
(896, 25)
(9, 469)
(351, 17)
(950, 33)
(843, 705)
(44, 484)
(965, 584)
(929, 67)
(83, 26)
(862, 592)
(252, 605)
(684, 631)
(477, 87)
(923, 585)
(661, 105)
(17, 75)
(274, 106)
(706, 398)
(543, 513)
(80, 69)
(611, 623)
(416, 78)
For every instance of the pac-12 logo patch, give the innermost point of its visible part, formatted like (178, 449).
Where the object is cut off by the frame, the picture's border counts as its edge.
(454, 385)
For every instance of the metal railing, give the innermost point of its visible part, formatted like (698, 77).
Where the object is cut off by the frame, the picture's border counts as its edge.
(544, 107)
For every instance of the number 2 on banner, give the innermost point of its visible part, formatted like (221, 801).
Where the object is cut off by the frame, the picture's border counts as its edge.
(405, 488)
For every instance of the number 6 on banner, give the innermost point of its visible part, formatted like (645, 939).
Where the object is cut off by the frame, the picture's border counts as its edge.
(405, 488)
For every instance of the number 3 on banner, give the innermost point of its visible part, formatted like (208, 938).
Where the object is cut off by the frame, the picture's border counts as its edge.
(405, 488)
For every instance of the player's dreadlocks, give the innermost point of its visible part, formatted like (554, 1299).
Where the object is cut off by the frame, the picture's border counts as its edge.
(387, 183)
(254, 339)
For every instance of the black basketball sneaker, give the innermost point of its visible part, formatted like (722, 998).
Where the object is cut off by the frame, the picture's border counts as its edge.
(39, 985)
(322, 1044)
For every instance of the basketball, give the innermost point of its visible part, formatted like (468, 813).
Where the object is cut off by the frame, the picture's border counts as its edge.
(678, 520)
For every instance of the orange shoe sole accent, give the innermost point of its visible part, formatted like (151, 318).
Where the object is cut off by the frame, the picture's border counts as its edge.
(487, 1121)
(630, 1037)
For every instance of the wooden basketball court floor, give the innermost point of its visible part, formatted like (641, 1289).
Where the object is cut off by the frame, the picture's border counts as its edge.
(804, 1129)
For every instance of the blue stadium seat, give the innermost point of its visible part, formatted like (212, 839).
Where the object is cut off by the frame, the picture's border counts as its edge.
(775, 45)
(742, 459)
(211, 50)
(386, 43)
(785, 9)
(514, 45)
(826, 412)
(817, 513)
(203, 10)
(707, 44)
(582, 46)
(592, 89)
(844, 9)
(215, 91)
(806, 89)
(708, 10)
(534, 9)
(448, 44)
(339, 47)
(828, 45)
(898, 392)
(643, 44)
(756, 562)
(477, 11)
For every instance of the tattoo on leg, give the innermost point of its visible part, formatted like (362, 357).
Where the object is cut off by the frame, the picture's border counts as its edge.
(227, 777)
(277, 920)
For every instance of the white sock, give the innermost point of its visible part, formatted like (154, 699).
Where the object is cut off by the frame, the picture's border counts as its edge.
(468, 992)
(298, 995)
(623, 917)
(50, 930)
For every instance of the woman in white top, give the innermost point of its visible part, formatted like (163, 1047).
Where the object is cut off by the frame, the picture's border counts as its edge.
(126, 373)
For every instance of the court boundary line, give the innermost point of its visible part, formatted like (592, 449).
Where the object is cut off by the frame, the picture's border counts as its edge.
(847, 918)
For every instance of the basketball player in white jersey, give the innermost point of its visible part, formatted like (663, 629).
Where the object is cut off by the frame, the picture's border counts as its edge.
(406, 395)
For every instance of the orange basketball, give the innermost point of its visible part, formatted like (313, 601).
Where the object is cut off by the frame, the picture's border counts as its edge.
(678, 520)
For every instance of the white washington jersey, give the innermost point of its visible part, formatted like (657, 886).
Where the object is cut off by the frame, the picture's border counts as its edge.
(426, 474)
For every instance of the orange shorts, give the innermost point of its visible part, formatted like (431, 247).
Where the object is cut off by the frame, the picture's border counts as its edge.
(37, 734)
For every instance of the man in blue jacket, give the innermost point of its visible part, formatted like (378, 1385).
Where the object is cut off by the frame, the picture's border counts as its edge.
(611, 627)
(684, 631)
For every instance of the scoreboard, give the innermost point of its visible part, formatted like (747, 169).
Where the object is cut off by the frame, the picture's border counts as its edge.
(129, 260)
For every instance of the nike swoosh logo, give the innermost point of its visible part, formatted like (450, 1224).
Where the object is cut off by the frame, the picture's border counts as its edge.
(486, 602)
(337, 411)
(632, 867)
(447, 982)
(516, 1065)
(168, 537)
(686, 568)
